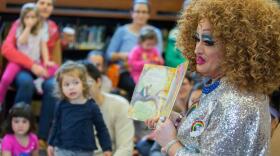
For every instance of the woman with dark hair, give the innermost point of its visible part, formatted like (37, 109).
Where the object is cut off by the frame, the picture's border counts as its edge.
(125, 38)
(24, 79)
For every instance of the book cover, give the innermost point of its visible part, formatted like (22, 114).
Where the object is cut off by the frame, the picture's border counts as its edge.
(156, 91)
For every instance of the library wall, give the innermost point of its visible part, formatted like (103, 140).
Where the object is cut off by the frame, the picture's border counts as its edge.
(165, 10)
(93, 21)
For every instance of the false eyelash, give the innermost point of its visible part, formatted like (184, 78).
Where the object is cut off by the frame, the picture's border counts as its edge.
(209, 42)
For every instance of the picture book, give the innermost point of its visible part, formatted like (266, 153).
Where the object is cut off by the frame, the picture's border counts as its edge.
(156, 91)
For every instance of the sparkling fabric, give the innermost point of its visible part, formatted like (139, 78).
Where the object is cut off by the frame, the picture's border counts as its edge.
(226, 122)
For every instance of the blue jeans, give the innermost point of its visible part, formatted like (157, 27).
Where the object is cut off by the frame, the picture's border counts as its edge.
(156, 150)
(64, 152)
(144, 146)
(25, 87)
(48, 106)
(25, 90)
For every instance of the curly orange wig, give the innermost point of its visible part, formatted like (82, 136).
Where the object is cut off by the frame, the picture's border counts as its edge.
(250, 32)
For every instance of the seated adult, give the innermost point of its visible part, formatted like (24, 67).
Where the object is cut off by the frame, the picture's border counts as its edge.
(125, 38)
(97, 59)
(24, 79)
(114, 109)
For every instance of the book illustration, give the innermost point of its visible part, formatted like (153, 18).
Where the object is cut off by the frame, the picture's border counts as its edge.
(156, 87)
(145, 96)
(166, 109)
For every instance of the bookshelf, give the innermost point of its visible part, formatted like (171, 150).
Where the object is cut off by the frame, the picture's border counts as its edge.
(94, 20)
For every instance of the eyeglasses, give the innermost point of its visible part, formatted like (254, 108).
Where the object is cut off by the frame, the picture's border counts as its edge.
(140, 12)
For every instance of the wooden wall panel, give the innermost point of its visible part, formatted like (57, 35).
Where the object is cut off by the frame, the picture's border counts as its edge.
(104, 4)
(165, 10)
(2, 5)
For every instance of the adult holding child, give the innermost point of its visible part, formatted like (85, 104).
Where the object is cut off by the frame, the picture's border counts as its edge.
(126, 38)
(24, 79)
(144, 53)
(236, 44)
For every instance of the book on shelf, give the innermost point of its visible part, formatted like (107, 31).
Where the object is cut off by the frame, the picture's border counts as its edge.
(89, 37)
(156, 91)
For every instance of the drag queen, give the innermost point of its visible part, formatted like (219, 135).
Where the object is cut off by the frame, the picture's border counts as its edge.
(235, 43)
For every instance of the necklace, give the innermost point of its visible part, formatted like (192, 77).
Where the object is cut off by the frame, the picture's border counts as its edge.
(208, 89)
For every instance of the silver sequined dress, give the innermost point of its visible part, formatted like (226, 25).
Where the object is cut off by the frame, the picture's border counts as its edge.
(226, 122)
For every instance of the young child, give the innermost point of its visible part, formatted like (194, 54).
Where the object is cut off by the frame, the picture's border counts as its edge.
(76, 114)
(20, 139)
(31, 39)
(144, 53)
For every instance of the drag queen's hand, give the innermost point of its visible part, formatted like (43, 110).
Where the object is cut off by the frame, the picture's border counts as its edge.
(165, 133)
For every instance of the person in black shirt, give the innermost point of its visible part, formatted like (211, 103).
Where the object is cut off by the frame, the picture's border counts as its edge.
(73, 132)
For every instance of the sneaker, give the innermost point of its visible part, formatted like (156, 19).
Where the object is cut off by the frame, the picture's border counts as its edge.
(38, 85)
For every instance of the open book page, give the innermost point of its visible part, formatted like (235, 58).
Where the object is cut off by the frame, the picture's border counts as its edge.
(151, 92)
(155, 91)
(166, 109)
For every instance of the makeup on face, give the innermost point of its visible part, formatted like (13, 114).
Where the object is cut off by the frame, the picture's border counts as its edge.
(208, 50)
(200, 60)
(205, 38)
(207, 41)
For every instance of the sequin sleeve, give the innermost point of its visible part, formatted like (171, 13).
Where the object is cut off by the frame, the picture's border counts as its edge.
(235, 125)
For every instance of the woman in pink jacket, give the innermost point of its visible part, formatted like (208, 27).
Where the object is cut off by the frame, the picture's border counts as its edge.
(24, 79)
